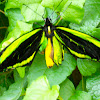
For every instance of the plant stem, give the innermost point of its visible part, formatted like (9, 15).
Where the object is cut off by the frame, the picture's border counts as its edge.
(82, 83)
(3, 27)
(2, 11)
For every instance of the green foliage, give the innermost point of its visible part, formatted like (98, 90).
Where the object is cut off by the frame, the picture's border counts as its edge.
(87, 67)
(93, 85)
(91, 18)
(13, 15)
(74, 12)
(29, 15)
(81, 95)
(13, 92)
(66, 87)
(55, 75)
(40, 90)
(37, 81)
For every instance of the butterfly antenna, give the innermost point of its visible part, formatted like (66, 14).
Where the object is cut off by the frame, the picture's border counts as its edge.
(56, 8)
(43, 15)
(38, 24)
(52, 14)
(34, 11)
(62, 12)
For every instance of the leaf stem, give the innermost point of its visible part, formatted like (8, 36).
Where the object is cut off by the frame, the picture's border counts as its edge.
(82, 83)
(3, 27)
(6, 73)
(2, 11)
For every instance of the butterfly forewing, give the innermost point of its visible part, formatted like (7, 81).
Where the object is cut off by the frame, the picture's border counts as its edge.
(24, 52)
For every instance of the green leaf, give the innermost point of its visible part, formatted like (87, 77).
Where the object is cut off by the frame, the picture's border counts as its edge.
(82, 84)
(91, 17)
(2, 90)
(40, 90)
(87, 67)
(55, 75)
(16, 75)
(73, 13)
(96, 33)
(52, 3)
(93, 86)
(81, 95)
(19, 3)
(67, 89)
(58, 74)
(5, 81)
(21, 28)
(21, 71)
(33, 12)
(37, 68)
(79, 87)
(17, 78)
(13, 92)
(13, 16)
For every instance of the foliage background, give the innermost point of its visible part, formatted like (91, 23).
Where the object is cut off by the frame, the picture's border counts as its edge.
(75, 79)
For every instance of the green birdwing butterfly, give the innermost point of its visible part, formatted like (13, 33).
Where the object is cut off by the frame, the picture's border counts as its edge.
(22, 51)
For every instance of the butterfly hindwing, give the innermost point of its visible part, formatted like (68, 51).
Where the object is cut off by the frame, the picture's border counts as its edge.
(79, 44)
(24, 51)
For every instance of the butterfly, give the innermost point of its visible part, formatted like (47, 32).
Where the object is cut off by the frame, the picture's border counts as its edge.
(22, 51)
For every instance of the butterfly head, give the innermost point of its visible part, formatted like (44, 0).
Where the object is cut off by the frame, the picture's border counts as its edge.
(48, 22)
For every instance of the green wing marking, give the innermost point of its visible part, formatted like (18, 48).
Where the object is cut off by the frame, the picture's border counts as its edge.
(79, 44)
(21, 51)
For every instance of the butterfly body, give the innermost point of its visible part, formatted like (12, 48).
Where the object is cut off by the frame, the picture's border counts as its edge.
(48, 29)
(50, 56)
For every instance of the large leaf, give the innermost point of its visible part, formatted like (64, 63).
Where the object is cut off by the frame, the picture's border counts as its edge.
(33, 12)
(14, 91)
(55, 75)
(91, 17)
(13, 15)
(71, 10)
(40, 90)
(96, 32)
(19, 3)
(87, 67)
(67, 89)
(93, 85)
(81, 95)
(5, 80)
(2, 90)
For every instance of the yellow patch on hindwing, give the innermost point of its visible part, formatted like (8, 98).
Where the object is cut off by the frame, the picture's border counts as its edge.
(49, 54)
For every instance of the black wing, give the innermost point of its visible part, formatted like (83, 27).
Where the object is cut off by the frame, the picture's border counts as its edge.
(79, 44)
(24, 52)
